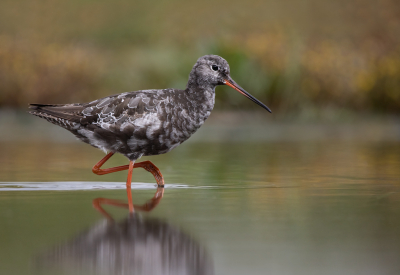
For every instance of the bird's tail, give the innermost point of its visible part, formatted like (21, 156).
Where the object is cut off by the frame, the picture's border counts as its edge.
(61, 115)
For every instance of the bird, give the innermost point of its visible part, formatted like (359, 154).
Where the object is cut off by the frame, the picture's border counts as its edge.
(144, 122)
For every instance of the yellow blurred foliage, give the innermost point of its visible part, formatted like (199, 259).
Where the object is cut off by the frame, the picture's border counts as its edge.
(319, 71)
(31, 72)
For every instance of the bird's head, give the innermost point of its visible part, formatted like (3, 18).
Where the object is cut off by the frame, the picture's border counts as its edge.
(213, 70)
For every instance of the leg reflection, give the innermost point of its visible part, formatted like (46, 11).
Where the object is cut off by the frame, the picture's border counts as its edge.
(147, 207)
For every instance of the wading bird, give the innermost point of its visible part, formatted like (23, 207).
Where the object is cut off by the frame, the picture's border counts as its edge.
(145, 122)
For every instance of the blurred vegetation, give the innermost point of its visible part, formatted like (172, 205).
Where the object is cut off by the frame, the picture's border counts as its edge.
(293, 56)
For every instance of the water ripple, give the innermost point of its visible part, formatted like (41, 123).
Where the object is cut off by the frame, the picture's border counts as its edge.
(77, 185)
(99, 185)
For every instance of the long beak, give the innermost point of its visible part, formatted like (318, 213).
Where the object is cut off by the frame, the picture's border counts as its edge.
(229, 81)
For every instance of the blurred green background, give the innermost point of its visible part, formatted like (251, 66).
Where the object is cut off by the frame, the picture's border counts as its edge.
(295, 56)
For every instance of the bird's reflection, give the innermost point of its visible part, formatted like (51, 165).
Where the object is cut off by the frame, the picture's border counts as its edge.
(135, 245)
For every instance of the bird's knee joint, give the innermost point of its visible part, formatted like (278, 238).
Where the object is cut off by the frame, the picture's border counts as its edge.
(96, 170)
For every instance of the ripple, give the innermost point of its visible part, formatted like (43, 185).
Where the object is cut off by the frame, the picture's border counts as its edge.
(77, 185)
(102, 185)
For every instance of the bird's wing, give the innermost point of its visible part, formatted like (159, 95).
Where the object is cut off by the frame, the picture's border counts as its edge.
(104, 112)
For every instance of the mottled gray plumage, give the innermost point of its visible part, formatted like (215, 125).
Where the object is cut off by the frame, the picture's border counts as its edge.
(145, 122)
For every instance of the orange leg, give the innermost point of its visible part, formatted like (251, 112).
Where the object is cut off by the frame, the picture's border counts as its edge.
(96, 168)
(150, 167)
(128, 186)
(147, 165)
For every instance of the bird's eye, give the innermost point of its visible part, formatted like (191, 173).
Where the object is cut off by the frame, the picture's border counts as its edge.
(215, 67)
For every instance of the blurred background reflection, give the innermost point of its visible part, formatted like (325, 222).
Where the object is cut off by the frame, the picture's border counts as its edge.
(134, 245)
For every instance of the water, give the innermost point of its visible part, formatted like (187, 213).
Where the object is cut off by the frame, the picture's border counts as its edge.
(290, 205)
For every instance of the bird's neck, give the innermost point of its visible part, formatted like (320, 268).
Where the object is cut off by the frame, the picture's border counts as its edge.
(199, 104)
(200, 90)
(203, 97)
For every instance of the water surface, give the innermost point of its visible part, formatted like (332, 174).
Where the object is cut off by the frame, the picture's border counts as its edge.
(289, 206)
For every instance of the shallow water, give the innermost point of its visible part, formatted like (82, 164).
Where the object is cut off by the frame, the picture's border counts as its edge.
(307, 206)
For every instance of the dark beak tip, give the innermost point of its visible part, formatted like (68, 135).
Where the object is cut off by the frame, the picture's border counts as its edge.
(229, 82)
